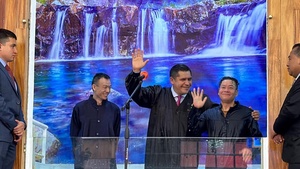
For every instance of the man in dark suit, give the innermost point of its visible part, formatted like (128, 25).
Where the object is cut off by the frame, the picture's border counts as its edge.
(12, 123)
(287, 124)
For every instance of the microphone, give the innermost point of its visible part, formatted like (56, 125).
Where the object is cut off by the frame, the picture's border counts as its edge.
(143, 75)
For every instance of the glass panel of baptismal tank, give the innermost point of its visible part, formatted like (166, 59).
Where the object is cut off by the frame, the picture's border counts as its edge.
(142, 152)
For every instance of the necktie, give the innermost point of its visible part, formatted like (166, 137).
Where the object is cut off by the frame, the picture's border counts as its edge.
(9, 71)
(178, 100)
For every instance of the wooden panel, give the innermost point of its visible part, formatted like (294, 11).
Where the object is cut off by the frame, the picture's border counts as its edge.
(288, 38)
(2, 13)
(283, 32)
(274, 78)
(21, 73)
(297, 25)
(296, 4)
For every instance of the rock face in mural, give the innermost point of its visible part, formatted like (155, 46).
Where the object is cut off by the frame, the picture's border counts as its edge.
(79, 31)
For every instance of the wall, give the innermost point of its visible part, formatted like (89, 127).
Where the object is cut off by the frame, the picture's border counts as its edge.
(283, 32)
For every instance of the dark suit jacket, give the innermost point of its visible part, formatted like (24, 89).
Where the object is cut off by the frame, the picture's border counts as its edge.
(288, 124)
(10, 106)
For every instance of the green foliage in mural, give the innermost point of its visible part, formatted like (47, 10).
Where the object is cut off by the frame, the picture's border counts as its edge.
(225, 2)
(41, 1)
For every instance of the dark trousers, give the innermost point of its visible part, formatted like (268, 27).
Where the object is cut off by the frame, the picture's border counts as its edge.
(7, 155)
(294, 166)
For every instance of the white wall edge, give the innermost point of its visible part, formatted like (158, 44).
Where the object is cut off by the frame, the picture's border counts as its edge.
(265, 153)
(29, 143)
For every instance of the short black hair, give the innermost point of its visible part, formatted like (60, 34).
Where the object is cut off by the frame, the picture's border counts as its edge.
(99, 76)
(230, 78)
(296, 49)
(179, 67)
(6, 34)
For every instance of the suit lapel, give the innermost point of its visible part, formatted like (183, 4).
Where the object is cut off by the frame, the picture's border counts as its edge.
(11, 81)
(294, 87)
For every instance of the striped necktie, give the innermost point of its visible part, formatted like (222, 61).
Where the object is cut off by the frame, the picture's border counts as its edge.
(178, 100)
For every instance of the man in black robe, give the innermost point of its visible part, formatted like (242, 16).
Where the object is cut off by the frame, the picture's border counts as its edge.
(168, 121)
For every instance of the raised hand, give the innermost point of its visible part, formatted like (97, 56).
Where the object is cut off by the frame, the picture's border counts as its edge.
(198, 100)
(138, 60)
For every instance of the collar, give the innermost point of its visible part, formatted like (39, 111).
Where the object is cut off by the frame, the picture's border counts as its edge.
(297, 77)
(2, 62)
(235, 102)
(175, 94)
(95, 102)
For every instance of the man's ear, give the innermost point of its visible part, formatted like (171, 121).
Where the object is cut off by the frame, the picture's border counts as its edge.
(93, 87)
(172, 80)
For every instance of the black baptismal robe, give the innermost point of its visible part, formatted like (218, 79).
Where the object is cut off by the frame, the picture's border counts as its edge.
(168, 123)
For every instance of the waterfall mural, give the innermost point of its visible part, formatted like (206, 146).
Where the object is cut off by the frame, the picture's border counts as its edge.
(159, 34)
(101, 33)
(75, 40)
(57, 45)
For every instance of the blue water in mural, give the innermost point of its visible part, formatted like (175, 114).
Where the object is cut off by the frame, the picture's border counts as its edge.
(60, 85)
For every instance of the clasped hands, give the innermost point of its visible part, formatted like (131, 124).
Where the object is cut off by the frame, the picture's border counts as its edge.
(277, 138)
(19, 131)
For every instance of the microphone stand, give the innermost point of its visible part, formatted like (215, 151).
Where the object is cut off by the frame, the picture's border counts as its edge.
(127, 106)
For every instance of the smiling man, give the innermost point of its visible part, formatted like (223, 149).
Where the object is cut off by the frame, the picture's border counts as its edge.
(95, 117)
(229, 119)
